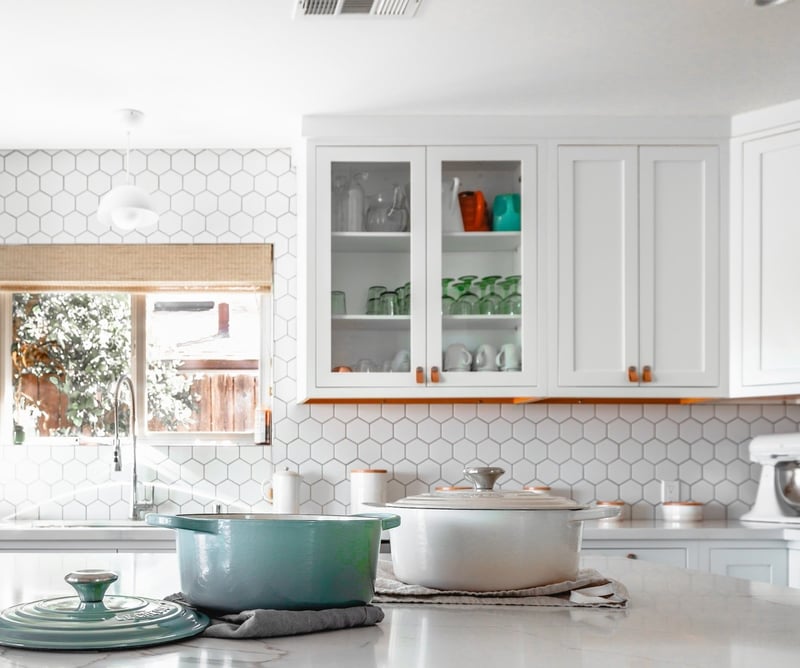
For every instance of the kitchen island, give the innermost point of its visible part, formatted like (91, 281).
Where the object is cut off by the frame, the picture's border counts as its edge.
(675, 617)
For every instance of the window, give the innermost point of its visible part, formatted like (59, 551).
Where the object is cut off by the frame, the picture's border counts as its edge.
(199, 358)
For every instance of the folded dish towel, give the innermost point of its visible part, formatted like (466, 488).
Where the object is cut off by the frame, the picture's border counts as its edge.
(274, 623)
(589, 589)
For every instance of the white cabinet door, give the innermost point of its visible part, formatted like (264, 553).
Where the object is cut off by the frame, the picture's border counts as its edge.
(638, 295)
(679, 241)
(761, 565)
(354, 257)
(497, 258)
(770, 266)
(598, 247)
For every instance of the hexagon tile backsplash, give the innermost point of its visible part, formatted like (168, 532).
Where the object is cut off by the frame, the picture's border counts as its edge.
(588, 451)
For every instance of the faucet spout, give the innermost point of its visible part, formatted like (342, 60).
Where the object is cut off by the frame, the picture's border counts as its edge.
(137, 508)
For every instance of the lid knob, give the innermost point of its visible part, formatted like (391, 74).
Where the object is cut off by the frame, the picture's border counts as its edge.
(91, 584)
(483, 477)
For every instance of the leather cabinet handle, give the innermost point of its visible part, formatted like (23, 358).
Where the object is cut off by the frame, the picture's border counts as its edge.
(633, 376)
(435, 374)
(647, 374)
(420, 375)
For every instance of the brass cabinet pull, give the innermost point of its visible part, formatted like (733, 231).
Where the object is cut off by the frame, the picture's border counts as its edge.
(633, 377)
(434, 374)
(647, 374)
(420, 375)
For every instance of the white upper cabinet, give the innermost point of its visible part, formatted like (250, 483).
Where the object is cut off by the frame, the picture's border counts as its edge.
(637, 291)
(401, 301)
(770, 269)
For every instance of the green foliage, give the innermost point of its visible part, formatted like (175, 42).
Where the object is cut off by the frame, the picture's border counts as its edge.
(84, 344)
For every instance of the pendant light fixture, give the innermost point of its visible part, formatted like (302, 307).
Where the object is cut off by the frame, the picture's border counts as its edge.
(128, 207)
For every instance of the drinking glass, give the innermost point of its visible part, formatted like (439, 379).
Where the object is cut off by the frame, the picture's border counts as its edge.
(374, 306)
(467, 302)
(490, 302)
(339, 204)
(374, 292)
(463, 305)
(512, 303)
(447, 300)
(388, 303)
(404, 299)
(338, 303)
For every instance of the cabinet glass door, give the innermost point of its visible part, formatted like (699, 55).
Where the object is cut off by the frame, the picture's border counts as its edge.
(371, 244)
(482, 267)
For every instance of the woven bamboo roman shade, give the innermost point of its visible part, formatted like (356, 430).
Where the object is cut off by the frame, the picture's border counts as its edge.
(136, 268)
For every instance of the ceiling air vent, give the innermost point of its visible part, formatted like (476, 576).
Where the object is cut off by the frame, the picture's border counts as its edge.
(405, 8)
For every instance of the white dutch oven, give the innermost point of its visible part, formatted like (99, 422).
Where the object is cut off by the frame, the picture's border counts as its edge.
(487, 540)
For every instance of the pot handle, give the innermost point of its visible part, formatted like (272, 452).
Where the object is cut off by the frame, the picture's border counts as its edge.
(178, 522)
(595, 513)
(388, 520)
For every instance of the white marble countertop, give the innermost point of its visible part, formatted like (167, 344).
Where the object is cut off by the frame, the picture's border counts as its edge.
(96, 530)
(675, 618)
(706, 530)
(99, 531)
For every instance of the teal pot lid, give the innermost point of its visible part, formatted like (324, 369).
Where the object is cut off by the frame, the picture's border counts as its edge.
(91, 620)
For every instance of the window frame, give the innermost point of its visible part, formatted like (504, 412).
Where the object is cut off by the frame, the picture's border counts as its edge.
(138, 372)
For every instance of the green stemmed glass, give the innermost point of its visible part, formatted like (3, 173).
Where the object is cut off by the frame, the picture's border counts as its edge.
(461, 306)
(512, 303)
(468, 296)
(490, 302)
(447, 300)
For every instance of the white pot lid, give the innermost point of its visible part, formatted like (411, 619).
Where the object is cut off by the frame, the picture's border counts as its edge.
(484, 497)
(521, 500)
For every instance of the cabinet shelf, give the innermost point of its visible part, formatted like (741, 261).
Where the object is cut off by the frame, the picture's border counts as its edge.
(384, 323)
(398, 242)
(480, 241)
(495, 322)
(371, 242)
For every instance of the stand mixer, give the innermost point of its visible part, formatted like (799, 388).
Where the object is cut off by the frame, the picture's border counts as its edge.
(778, 497)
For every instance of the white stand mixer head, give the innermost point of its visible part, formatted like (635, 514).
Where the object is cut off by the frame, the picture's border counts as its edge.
(770, 504)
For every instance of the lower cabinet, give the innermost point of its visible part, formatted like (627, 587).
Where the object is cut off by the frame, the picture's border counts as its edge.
(759, 564)
(671, 556)
(760, 561)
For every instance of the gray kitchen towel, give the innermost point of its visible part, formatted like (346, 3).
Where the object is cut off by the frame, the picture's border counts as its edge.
(589, 590)
(274, 623)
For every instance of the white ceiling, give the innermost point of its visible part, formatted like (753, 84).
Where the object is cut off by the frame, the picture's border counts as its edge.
(241, 73)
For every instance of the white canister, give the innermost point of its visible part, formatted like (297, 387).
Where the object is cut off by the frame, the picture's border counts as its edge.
(283, 492)
(367, 486)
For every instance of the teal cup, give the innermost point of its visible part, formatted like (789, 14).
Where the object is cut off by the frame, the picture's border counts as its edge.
(506, 213)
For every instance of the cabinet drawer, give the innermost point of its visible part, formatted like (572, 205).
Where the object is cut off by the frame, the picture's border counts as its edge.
(759, 564)
(672, 556)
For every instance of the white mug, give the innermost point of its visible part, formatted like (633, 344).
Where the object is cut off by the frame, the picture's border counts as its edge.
(457, 358)
(283, 492)
(485, 358)
(509, 357)
(401, 361)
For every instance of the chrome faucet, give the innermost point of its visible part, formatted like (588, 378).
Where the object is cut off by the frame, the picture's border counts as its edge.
(137, 509)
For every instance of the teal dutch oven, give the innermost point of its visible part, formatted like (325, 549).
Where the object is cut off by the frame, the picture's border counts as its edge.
(234, 562)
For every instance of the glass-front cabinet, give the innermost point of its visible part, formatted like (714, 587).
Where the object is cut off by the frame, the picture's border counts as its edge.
(424, 273)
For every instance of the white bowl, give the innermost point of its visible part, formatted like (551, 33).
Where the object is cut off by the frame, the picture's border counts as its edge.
(682, 511)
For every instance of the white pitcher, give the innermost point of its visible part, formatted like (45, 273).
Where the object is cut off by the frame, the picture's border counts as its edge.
(451, 211)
